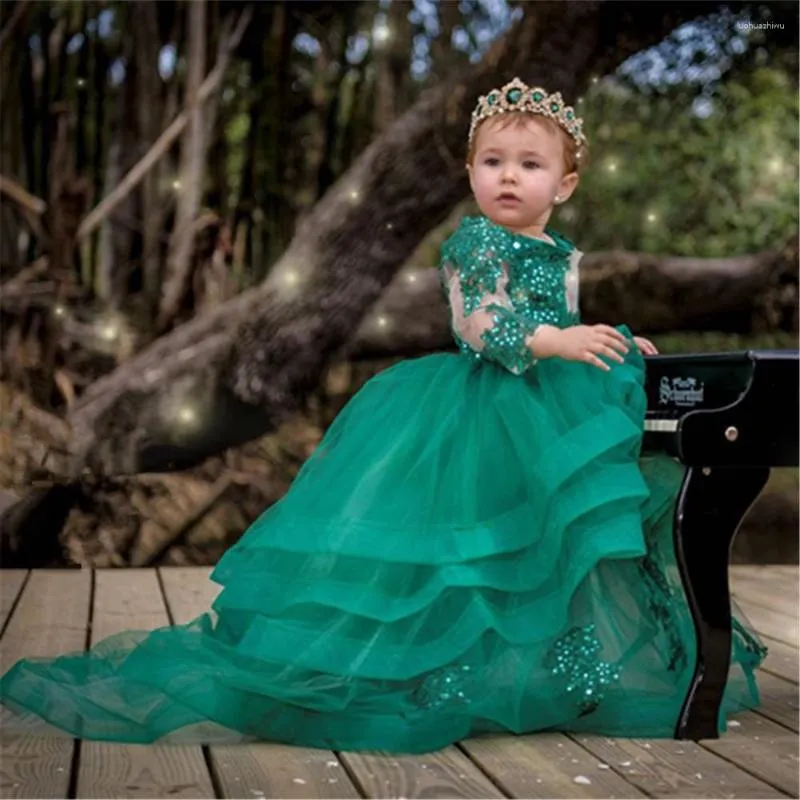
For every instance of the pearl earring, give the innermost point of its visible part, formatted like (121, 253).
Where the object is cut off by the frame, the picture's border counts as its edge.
(558, 198)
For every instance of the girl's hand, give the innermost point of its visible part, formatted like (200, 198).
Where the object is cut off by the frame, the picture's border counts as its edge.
(581, 343)
(646, 347)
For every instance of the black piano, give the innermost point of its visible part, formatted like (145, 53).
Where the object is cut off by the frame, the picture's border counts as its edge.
(729, 418)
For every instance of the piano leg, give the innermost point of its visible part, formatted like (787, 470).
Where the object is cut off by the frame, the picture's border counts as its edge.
(711, 504)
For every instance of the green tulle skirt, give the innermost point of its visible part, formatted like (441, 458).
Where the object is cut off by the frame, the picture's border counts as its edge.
(466, 551)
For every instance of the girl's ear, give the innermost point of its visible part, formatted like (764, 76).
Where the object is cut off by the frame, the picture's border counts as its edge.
(567, 186)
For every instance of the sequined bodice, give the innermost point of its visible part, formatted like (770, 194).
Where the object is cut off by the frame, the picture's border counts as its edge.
(501, 286)
(539, 287)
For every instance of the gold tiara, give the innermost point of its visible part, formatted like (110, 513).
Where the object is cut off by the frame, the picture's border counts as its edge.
(517, 96)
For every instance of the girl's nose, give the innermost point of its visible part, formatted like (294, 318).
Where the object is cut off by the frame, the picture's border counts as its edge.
(508, 175)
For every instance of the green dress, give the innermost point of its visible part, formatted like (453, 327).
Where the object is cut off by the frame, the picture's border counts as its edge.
(477, 544)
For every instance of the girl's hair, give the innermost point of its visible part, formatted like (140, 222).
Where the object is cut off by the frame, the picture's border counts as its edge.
(572, 163)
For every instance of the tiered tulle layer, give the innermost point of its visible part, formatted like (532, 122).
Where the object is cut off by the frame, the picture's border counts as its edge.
(466, 551)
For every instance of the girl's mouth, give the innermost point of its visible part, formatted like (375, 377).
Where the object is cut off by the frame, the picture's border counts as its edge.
(508, 199)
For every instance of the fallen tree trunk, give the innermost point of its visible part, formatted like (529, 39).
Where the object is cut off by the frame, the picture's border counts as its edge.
(743, 294)
(649, 293)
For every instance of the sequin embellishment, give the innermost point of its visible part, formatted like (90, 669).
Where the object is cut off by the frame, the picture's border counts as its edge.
(574, 657)
(443, 687)
(519, 282)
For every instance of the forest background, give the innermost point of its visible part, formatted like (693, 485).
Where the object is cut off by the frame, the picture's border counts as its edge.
(218, 219)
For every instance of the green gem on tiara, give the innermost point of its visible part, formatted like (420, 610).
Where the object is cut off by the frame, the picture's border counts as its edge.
(538, 97)
(570, 115)
(554, 107)
(492, 99)
(514, 95)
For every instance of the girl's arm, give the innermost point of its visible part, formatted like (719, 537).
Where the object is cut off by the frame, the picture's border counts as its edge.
(483, 316)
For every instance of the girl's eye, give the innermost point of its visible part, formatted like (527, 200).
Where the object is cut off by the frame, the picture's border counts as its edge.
(491, 161)
(530, 164)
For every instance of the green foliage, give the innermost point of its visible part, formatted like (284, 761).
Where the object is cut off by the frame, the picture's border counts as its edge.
(665, 179)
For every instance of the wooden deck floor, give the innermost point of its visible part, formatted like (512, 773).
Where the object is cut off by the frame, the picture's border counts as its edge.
(48, 612)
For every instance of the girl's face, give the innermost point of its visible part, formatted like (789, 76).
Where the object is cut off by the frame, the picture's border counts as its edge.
(518, 171)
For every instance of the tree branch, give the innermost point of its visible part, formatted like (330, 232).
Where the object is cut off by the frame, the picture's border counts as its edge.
(163, 143)
(22, 197)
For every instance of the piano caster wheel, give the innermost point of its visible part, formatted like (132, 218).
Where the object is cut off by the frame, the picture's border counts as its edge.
(732, 433)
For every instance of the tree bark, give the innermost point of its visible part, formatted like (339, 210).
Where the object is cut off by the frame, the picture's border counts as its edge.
(744, 294)
(81, 141)
(147, 46)
(392, 46)
(193, 150)
(17, 17)
(29, 119)
(116, 241)
(211, 383)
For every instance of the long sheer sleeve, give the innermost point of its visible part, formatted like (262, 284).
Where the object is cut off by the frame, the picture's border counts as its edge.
(483, 317)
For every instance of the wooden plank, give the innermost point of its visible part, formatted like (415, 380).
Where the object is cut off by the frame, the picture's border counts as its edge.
(779, 700)
(765, 576)
(131, 599)
(766, 586)
(445, 773)
(782, 659)
(780, 601)
(766, 572)
(49, 620)
(189, 592)
(772, 623)
(11, 583)
(262, 769)
(276, 770)
(669, 768)
(546, 765)
(776, 588)
(762, 748)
